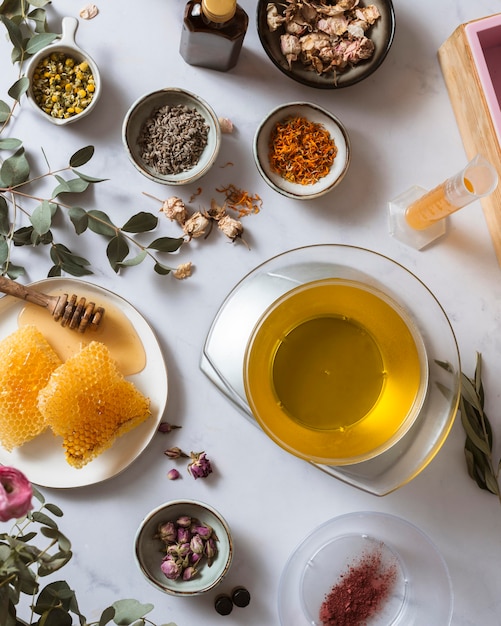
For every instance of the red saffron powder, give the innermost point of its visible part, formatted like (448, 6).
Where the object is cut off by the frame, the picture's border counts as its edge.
(360, 592)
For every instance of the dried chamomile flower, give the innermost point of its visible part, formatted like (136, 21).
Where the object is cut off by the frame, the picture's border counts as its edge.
(89, 11)
(175, 209)
(183, 271)
(196, 225)
(226, 125)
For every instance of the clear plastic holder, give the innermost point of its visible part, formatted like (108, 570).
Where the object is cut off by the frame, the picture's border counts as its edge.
(418, 217)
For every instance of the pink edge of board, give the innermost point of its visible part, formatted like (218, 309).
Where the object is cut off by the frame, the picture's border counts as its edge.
(484, 38)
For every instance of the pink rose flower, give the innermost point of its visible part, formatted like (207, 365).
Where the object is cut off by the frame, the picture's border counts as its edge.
(16, 493)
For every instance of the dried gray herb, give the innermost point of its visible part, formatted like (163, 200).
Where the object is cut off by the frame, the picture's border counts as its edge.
(173, 138)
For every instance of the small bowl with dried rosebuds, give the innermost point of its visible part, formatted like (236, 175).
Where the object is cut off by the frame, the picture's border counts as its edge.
(302, 150)
(65, 83)
(184, 547)
(171, 136)
(326, 45)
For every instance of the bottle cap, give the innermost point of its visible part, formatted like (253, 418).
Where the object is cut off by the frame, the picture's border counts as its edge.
(240, 596)
(223, 604)
(219, 11)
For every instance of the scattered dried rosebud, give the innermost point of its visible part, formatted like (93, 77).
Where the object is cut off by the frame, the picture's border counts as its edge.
(170, 568)
(175, 209)
(203, 531)
(184, 270)
(226, 125)
(196, 225)
(165, 427)
(231, 227)
(183, 535)
(174, 453)
(200, 466)
(210, 550)
(173, 474)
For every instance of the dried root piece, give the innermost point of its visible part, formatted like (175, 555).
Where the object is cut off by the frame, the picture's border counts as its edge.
(89, 11)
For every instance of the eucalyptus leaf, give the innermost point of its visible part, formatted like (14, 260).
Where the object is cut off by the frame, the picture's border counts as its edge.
(40, 3)
(75, 185)
(4, 216)
(140, 223)
(15, 170)
(14, 271)
(79, 219)
(54, 271)
(477, 441)
(89, 179)
(19, 88)
(136, 260)
(41, 218)
(10, 144)
(54, 509)
(116, 251)
(128, 611)
(4, 251)
(39, 17)
(469, 393)
(4, 111)
(41, 518)
(39, 41)
(166, 244)
(106, 616)
(14, 32)
(82, 156)
(163, 270)
(101, 224)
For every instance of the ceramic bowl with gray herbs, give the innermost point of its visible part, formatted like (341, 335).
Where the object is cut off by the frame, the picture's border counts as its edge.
(171, 136)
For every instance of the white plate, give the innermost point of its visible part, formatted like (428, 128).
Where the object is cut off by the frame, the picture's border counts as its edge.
(423, 590)
(42, 459)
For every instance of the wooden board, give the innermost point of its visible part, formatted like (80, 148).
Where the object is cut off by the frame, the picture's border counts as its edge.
(473, 118)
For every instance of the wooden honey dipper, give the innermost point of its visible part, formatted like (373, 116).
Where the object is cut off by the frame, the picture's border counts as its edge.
(75, 313)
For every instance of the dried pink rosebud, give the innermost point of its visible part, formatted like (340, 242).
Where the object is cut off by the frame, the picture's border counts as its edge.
(200, 466)
(183, 535)
(226, 125)
(173, 474)
(167, 532)
(202, 530)
(195, 557)
(197, 544)
(170, 568)
(184, 521)
(165, 427)
(210, 550)
(16, 493)
(189, 573)
(175, 453)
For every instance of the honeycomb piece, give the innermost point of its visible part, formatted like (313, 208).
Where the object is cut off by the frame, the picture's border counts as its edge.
(89, 404)
(26, 362)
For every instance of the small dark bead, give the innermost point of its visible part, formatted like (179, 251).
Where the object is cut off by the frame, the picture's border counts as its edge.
(223, 605)
(240, 596)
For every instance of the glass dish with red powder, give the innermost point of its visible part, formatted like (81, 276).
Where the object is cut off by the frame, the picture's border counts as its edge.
(365, 569)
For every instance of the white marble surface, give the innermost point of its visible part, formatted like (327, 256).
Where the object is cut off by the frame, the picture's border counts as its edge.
(403, 132)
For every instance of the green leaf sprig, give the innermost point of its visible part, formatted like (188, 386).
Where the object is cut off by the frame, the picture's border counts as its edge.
(14, 179)
(23, 563)
(479, 439)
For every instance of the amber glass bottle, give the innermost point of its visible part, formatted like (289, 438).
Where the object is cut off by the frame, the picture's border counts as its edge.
(213, 33)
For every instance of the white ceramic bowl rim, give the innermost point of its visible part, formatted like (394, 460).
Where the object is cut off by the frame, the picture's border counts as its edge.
(314, 113)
